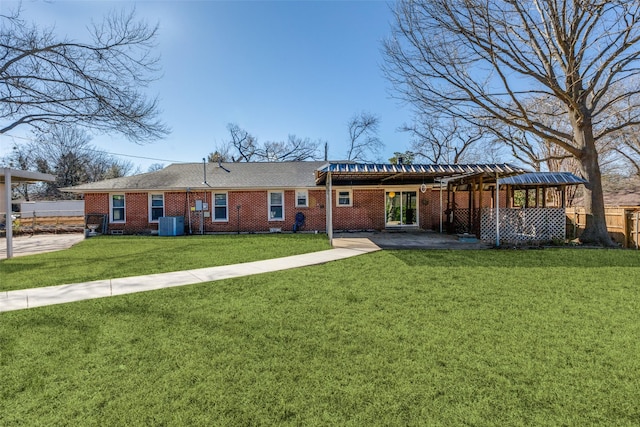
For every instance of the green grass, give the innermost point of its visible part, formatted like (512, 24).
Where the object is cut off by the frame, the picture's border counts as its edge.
(110, 257)
(547, 337)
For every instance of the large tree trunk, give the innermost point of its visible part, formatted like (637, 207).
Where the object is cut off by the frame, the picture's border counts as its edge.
(596, 228)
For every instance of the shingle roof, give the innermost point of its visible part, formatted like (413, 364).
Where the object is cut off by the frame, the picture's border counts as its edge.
(226, 176)
(543, 178)
(181, 176)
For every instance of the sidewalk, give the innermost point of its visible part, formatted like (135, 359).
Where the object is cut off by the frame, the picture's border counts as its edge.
(38, 297)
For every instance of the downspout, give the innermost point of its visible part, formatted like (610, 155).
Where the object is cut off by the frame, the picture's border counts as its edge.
(187, 201)
(8, 222)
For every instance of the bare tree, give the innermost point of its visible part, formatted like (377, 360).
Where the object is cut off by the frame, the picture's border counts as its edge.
(21, 158)
(250, 150)
(443, 141)
(630, 150)
(626, 144)
(67, 154)
(294, 149)
(47, 80)
(484, 59)
(155, 167)
(544, 154)
(221, 153)
(244, 143)
(364, 143)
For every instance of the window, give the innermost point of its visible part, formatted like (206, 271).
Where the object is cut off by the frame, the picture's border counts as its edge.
(156, 207)
(276, 206)
(302, 198)
(343, 197)
(220, 207)
(117, 207)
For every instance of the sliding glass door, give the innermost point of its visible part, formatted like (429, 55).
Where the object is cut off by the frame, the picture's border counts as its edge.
(400, 208)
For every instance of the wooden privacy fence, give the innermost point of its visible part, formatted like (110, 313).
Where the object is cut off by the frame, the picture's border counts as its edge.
(623, 224)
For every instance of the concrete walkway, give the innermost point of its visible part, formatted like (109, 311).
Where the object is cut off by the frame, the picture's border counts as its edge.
(39, 243)
(38, 297)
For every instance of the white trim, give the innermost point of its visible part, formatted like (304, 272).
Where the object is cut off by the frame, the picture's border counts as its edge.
(306, 198)
(226, 206)
(343, 190)
(150, 197)
(269, 217)
(124, 208)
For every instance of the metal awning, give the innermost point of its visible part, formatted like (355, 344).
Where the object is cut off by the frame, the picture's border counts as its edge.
(24, 176)
(7, 177)
(376, 173)
(539, 179)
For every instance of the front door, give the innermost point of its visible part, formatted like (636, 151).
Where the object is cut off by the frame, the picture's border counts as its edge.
(400, 208)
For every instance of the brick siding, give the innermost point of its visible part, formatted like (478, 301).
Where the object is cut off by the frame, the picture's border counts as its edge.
(247, 211)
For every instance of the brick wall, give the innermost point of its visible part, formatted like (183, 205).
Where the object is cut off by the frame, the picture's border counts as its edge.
(366, 213)
(96, 203)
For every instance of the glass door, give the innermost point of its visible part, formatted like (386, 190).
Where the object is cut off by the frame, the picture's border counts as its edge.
(400, 208)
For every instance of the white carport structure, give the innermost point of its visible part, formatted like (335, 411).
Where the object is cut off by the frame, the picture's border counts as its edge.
(7, 179)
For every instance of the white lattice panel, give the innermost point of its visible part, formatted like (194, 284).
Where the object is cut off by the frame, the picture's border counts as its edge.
(526, 224)
(461, 220)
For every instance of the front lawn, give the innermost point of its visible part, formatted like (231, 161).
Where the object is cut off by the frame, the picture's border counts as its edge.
(108, 257)
(547, 337)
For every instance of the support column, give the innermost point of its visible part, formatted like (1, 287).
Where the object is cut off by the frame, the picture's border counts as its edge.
(497, 208)
(8, 226)
(329, 207)
(471, 192)
(478, 213)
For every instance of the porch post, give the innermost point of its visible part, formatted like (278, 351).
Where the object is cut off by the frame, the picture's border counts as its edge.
(471, 192)
(497, 211)
(8, 222)
(441, 206)
(329, 208)
(478, 214)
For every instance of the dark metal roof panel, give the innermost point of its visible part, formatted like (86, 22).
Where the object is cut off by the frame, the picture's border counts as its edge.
(418, 168)
(543, 178)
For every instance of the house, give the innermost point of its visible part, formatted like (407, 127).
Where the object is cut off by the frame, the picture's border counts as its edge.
(266, 197)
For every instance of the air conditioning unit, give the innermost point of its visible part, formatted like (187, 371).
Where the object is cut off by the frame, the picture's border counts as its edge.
(171, 226)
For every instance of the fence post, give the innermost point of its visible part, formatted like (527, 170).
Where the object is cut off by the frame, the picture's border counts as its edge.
(637, 227)
(625, 228)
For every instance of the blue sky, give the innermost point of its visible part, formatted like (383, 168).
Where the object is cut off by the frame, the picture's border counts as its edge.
(274, 68)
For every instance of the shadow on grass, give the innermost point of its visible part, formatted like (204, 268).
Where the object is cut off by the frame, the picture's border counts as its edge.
(582, 258)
